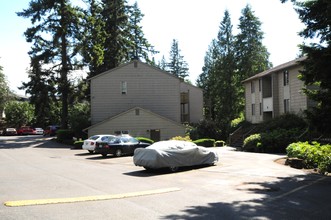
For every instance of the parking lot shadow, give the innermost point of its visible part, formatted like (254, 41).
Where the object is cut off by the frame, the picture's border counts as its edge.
(297, 197)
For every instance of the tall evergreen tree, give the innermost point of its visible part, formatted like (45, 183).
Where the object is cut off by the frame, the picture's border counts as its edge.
(162, 64)
(117, 42)
(41, 88)
(177, 65)
(93, 37)
(316, 15)
(227, 108)
(140, 47)
(56, 24)
(252, 56)
(218, 77)
(207, 80)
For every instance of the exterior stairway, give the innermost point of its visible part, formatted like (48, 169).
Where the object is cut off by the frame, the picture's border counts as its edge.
(237, 138)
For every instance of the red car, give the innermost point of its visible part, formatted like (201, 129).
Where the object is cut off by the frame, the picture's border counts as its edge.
(25, 130)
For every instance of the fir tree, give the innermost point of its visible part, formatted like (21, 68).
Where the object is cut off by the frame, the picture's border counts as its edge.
(140, 47)
(117, 40)
(177, 66)
(93, 37)
(317, 67)
(54, 34)
(252, 56)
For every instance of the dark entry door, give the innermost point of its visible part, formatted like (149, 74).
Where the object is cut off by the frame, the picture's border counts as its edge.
(155, 134)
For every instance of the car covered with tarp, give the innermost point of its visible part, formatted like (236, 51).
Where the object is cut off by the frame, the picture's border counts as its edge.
(174, 154)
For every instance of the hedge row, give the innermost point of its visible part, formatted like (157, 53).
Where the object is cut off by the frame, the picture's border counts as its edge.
(274, 141)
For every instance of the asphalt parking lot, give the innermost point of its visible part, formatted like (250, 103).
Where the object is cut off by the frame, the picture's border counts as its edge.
(61, 183)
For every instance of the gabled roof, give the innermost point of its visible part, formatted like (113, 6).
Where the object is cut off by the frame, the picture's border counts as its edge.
(145, 64)
(133, 109)
(292, 63)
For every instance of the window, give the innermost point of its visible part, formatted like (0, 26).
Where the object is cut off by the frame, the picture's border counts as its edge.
(286, 105)
(286, 78)
(253, 109)
(137, 111)
(124, 88)
(252, 87)
(260, 85)
(260, 108)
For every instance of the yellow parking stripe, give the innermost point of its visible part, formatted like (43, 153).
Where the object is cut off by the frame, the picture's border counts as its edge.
(88, 198)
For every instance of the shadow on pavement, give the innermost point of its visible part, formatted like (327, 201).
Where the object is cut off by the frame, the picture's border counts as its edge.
(297, 197)
(24, 141)
(162, 171)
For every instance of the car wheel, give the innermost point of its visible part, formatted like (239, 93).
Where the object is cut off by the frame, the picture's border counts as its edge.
(91, 152)
(173, 169)
(118, 152)
(104, 155)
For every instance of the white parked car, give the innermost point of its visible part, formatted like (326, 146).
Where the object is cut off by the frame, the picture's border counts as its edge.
(173, 154)
(38, 131)
(89, 144)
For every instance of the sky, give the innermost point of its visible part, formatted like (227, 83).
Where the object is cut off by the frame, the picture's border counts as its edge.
(193, 23)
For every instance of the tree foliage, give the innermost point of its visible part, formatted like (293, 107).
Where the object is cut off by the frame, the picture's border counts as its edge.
(54, 34)
(177, 65)
(229, 60)
(66, 38)
(19, 113)
(4, 91)
(316, 15)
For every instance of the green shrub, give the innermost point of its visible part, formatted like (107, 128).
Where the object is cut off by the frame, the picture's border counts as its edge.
(277, 140)
(313, 155)
(285, 121)
(180, 138)
(206, 128)
(219, 143)
(252, 143)
(274, 141)
(205, 142)
(78, 144)
(64, 134)
(146, 140)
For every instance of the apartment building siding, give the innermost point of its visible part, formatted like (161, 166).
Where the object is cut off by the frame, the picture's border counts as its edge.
(146, 87)
(195, 101)
(281, 92)
(138, 122)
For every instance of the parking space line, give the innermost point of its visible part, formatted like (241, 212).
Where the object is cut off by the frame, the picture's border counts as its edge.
(88, 198)
(296, 189)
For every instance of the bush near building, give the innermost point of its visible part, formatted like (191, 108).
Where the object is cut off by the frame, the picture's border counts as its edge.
(313, 155)
(275, 135)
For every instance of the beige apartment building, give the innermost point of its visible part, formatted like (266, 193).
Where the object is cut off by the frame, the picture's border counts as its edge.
(142, 100)
(274, 92)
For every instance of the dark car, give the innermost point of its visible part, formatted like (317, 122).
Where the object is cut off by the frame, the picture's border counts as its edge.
(9, 131)
(123, 145)
(51, 130)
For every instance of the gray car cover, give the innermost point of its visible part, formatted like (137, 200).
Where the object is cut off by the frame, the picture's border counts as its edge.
(173, 153)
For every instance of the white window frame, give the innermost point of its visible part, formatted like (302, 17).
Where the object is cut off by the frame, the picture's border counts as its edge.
(124, 88)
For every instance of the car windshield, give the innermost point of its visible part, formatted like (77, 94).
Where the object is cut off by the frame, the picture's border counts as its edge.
(129, 140)
(94, 137)
(107, 138)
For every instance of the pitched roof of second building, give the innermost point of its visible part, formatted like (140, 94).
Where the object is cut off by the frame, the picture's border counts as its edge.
(275, 69)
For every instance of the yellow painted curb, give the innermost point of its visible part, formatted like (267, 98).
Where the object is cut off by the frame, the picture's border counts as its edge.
(87, 198)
